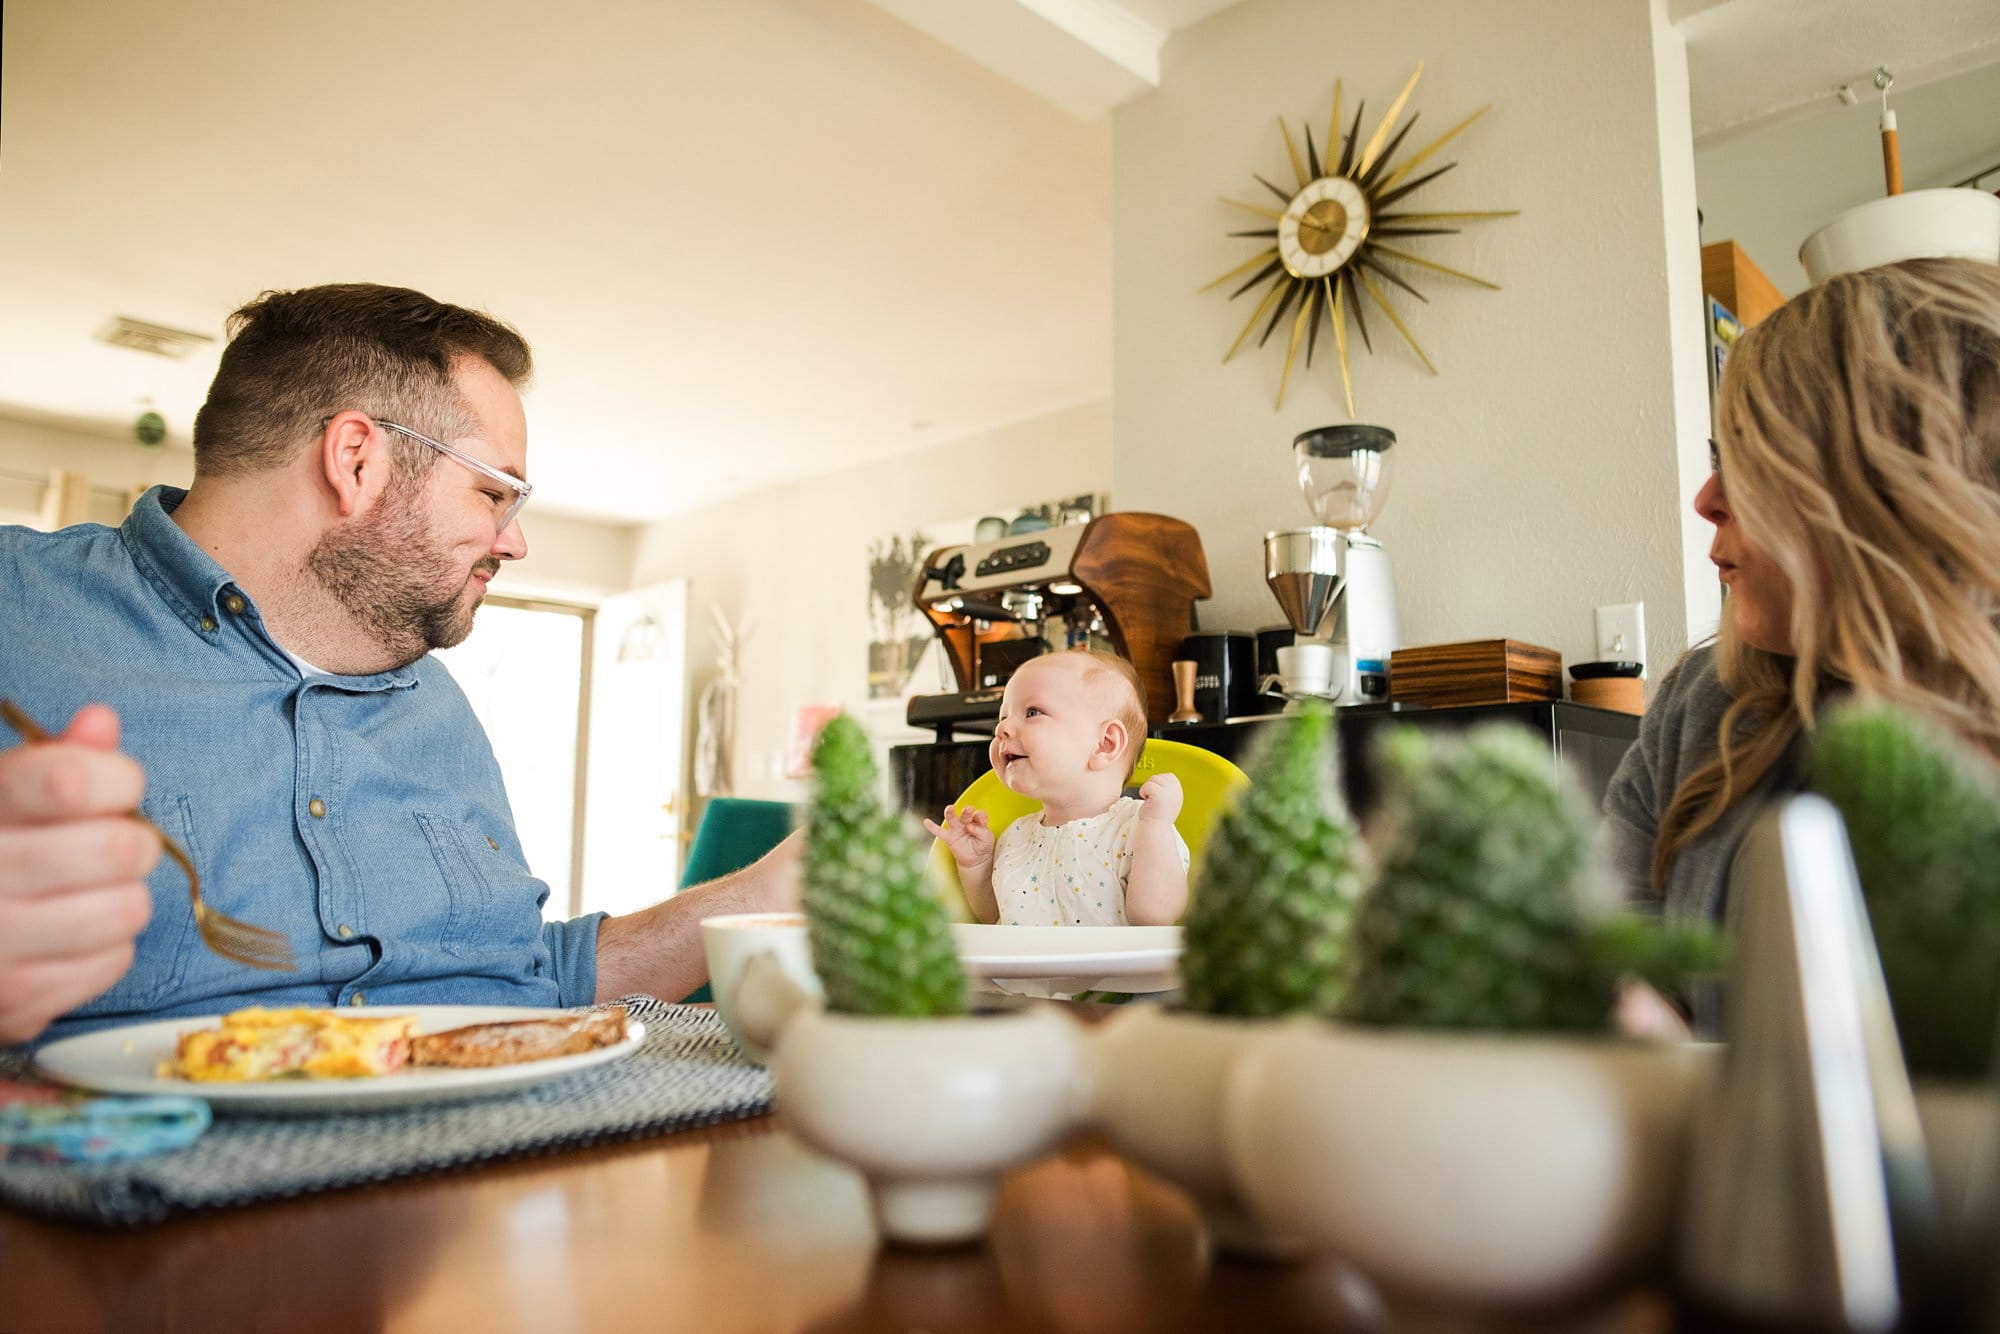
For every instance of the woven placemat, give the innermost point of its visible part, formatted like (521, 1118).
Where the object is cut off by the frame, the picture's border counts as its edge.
(686, 1074)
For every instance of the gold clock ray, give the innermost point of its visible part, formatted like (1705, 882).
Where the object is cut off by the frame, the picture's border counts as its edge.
(1330, 236)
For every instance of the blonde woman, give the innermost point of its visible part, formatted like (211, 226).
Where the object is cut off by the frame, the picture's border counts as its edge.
(1856, 504)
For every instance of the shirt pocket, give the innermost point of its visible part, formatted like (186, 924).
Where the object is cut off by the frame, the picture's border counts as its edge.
(160, 956)
(492, 900)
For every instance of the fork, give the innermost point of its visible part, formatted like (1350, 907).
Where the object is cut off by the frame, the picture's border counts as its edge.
(256, 946)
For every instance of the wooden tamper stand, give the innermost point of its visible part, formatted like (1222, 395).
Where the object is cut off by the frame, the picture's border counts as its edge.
(1184, 709)
(1609, 685)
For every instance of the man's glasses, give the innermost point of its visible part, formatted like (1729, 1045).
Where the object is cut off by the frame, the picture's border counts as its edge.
(518, 489)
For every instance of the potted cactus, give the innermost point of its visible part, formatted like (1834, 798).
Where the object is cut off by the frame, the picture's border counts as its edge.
(1923, 819)
(894, 1076)
(1264, 937)
(1471, 1131)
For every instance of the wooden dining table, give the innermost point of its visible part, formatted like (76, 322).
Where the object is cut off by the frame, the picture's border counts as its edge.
(731, 1228)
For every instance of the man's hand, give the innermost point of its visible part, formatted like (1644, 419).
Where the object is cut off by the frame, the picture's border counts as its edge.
(1162, 795)
(967, 834)
(73, 865)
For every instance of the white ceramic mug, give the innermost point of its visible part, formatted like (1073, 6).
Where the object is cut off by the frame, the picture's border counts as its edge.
(1306, 668)
(760, 969)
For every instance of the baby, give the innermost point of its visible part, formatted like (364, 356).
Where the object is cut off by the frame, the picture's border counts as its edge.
(1070, 731)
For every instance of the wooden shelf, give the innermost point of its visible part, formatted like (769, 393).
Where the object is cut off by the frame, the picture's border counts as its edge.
(1728, 275)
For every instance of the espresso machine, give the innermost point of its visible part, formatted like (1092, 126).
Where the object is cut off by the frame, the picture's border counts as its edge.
(1125, 581)
(1333, 579)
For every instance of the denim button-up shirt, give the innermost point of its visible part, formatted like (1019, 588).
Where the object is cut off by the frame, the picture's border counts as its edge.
(362, 816)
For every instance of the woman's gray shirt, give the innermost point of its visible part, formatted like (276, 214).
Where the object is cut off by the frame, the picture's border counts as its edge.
(1679, 733)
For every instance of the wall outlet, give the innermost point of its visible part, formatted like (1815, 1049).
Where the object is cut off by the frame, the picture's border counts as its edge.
(1621, 633)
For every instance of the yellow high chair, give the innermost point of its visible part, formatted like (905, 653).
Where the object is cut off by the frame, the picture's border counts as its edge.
(1208, 784)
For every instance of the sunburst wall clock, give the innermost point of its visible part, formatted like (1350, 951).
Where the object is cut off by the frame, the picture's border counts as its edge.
(1339, 230)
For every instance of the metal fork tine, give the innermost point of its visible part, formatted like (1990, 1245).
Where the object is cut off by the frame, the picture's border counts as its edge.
(233, 939)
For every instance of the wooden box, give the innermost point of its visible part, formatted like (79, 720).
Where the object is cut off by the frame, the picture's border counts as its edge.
(1480, 671)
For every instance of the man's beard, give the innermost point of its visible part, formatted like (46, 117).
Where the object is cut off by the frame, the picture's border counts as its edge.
(391, 575)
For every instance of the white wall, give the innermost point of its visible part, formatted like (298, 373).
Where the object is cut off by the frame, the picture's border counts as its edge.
(791, 564)
(1769, 188)
(574, 559)
(31, 449)
(1546, 471)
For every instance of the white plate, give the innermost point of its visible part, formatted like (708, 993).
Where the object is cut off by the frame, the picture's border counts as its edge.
(1083, 958)
(123, 1060)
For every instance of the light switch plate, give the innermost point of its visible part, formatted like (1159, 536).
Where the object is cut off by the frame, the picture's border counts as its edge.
(1621, 633)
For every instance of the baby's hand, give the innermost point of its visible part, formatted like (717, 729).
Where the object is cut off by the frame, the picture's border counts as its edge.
(966, 833)
(1162, 795)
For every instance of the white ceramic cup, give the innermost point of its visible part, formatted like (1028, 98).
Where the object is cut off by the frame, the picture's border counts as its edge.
(1306, 668)
(755, 1002)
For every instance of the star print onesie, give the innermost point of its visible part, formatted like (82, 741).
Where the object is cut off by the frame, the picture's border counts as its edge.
(1070, 874)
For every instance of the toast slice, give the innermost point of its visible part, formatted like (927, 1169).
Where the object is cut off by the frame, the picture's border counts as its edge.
(515, 1041)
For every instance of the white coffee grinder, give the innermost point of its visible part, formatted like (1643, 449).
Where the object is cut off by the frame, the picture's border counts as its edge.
(1336, 572)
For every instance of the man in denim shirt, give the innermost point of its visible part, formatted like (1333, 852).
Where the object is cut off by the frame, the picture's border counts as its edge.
(263, 641)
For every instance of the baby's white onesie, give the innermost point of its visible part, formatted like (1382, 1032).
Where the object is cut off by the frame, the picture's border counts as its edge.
(1071, 874)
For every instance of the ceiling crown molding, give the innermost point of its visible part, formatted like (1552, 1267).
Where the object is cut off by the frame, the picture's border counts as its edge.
(1084, 56)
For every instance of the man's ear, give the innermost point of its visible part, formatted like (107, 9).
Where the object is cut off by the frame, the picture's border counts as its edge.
(1111, 739)
(354, 461)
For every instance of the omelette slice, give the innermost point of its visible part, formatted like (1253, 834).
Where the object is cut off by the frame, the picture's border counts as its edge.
(258, 1044)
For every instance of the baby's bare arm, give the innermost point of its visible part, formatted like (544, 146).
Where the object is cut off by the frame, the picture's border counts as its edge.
(979, 896)
(970, 837)
(1156, 888)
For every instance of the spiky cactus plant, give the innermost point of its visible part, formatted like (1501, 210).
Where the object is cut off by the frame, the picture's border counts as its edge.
(1273, 898)
(880, 941)
(1488, 914)
(1923, 817)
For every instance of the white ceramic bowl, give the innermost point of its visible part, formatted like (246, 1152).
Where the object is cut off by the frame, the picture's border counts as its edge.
(931, 1111)
(1466, 1170)
(1921, 224)
(1159, 1079)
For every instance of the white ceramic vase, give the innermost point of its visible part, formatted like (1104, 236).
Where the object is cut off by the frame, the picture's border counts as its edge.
(1160, 1079)
(1467, 1170)
(931, 1111)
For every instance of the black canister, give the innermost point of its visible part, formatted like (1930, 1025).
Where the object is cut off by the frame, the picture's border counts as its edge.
(1225, 678)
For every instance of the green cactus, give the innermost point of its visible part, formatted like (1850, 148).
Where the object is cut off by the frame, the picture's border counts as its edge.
(880, 941)
(1485, 916)
(1273, 899)
(1923, 817)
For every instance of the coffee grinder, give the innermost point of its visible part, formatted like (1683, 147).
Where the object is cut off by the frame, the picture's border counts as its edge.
(1335, 575)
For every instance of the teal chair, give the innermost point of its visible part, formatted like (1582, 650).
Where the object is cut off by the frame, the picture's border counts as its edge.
(734, 831)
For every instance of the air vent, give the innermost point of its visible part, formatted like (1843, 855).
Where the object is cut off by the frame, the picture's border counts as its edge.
(154, 339)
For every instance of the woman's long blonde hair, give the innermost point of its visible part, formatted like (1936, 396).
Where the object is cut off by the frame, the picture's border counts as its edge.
(1859, 434)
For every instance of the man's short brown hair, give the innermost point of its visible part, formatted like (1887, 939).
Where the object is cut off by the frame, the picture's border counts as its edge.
(296, 358)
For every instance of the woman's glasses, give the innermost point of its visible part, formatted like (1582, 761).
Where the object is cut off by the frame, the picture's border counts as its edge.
(1715, 460)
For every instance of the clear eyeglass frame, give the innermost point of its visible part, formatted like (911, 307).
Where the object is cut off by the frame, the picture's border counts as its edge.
(521, 489)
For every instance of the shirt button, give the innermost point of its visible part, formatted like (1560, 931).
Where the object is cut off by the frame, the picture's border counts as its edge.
(491, 844)
(317, 807)
(234, 604)
(346, 933)
(207, 624)
(357, 999)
